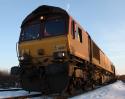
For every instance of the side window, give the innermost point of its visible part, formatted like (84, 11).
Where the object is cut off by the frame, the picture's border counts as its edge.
(76, 31)
(73, 29)
(80, 35)
(96, 52)
(112, 67)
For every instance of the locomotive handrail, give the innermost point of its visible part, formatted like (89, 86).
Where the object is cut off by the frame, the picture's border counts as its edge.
(17, 50)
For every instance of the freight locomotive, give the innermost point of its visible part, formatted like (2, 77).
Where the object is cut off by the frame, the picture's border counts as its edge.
(56, 55)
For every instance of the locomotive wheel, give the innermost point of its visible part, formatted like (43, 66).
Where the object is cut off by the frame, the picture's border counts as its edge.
(71, 89)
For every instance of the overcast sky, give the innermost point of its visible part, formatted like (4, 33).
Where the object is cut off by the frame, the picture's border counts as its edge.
(103, 19)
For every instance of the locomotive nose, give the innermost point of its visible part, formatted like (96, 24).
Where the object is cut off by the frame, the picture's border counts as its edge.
(47, 79)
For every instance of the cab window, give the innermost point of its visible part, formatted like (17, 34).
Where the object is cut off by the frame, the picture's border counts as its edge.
(30, 32)
(54, 27)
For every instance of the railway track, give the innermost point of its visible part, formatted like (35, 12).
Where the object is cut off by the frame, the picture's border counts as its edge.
(36, 96)
(18, 93)
(11, 89)
(24, 97)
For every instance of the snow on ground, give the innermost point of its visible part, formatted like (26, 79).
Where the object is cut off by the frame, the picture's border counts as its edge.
(112, 91)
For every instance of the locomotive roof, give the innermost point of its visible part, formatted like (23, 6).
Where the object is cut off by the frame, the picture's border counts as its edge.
(44, 9)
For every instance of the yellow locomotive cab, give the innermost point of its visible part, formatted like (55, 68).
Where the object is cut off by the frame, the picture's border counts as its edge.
(41, 39)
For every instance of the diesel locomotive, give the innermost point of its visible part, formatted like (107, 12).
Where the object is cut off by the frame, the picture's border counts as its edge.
(56, 55)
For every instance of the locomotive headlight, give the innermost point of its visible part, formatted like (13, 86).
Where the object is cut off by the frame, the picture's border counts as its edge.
(42, 17)
(21, 58)
(59, 55)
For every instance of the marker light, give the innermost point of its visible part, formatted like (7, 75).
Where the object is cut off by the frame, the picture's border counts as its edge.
(41, 18)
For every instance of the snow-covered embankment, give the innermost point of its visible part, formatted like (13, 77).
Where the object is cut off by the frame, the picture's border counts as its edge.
(112, 91)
